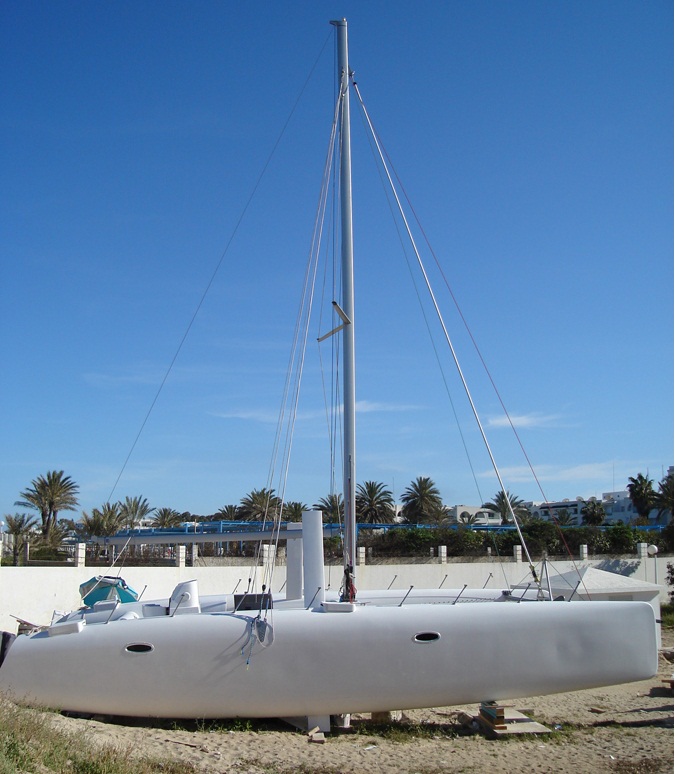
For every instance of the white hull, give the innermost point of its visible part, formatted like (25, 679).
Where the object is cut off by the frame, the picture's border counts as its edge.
(325, 663)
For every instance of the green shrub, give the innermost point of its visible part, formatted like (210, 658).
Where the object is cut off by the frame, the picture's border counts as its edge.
(621, 539)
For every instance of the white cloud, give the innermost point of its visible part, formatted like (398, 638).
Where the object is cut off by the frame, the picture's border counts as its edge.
(368, 407)
(147, 373)
(591, 471)
(148, 376)
(525, 420)
(267, 417)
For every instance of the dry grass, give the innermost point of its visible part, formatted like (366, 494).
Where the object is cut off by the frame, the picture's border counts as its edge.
(29, 743)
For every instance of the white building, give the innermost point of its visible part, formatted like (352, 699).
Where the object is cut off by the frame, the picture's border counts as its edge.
(618, 507)
(474, 514)
(546, 511)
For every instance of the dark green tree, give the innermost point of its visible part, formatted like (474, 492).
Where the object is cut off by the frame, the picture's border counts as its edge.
(133, 510)
(642, 495)
(504, 503)
(48, 495)
(664, 497)
(374, 503)
(565, 519)
(292, 511)
(259, 505)
(19, 527)
(102, 522)
(166, 518)
(333, 508)
(227, 513)
(593, 512)
(422, 502)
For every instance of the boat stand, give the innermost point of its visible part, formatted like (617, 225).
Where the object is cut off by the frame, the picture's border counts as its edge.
(322, 723)
(504, 720)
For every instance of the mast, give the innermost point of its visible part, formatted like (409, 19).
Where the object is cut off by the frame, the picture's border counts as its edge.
(349, 388)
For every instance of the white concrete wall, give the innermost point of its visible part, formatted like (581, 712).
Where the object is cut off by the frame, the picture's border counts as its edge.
(33, 593)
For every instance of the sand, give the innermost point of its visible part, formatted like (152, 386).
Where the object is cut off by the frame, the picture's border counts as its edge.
(622, 729)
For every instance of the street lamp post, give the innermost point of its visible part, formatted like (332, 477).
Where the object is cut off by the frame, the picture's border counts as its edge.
(653, 551)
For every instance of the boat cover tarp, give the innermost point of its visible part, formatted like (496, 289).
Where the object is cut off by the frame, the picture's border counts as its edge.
(104, 587)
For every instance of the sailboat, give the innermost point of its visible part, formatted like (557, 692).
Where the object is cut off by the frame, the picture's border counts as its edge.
(321, 655)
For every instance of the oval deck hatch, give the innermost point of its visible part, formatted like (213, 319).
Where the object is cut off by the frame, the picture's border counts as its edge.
(427, 637)
(139, 647)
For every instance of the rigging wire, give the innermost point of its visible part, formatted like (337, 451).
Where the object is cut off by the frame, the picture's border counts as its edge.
(212, 278)
(331, 391)
(447, 336)
(479, 353)
(289, 404)
(216, 270)
(387, 190)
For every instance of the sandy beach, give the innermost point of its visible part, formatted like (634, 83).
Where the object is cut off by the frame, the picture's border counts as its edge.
(626, 728)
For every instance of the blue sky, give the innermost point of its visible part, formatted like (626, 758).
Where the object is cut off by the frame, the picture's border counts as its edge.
(535, 141)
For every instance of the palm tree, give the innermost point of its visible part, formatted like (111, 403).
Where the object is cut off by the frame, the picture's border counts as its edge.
(507, 506)
(259, 504)
(467, 518)
(374, 503)
(292, 511)
(642, 495)
(165, 518)
(48, 495)
(333, 508)
(227, 513)
(19, 526)
(103, 522)
(58, 533)
(664, 497)
(564, 518)
(134, 510)
(593, 512)
(421, 501)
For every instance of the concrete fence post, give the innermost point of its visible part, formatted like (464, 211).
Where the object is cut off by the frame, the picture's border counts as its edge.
(80, 554)
(361, 555)
(442, 554)
(517, 553)
(583, 551)
(180, 556)
(642, 550)
(268, 553)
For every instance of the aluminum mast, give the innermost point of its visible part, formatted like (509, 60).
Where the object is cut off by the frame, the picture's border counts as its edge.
(349, 397)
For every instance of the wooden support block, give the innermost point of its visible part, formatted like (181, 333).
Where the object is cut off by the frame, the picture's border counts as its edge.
(492, 715)
(499, 720)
